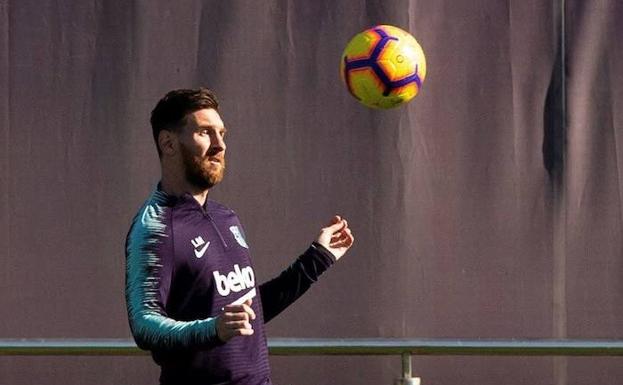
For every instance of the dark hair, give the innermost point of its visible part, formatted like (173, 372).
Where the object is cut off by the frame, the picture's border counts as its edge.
(170, 112)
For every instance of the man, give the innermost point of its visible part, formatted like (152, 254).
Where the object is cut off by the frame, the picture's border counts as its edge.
(191, 294)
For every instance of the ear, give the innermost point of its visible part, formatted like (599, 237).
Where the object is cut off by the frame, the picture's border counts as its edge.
(167, 142)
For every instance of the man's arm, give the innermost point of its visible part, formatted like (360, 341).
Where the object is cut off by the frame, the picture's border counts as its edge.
(147, 285)
(332, 243)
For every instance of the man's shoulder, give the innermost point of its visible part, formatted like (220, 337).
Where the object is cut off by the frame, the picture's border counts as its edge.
(215, 207)
(151, 217)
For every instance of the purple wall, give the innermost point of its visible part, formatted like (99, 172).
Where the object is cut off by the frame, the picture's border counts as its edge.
(479, 211)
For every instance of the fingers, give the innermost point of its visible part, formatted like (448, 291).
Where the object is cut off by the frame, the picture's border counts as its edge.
(336, 224)
(344, 237)
(242, 308)
(342, 234)
(342, 225)
(235, 321)
(335, 219)
(229, 330)
(337, 237)
(344, 240)
(237, 317)
(337, 230)
(239, 327)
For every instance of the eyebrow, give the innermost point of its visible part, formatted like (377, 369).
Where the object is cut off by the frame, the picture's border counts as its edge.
(199, 128)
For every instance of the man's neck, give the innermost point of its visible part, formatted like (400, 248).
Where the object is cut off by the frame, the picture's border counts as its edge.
(180, 187)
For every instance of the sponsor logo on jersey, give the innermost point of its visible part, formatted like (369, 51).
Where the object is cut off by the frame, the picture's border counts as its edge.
(234, 281)
(239, 237)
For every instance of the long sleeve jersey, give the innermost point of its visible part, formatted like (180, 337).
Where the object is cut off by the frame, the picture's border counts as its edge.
(184, 263)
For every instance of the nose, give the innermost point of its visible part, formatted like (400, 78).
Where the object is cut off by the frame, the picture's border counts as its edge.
(218, 143)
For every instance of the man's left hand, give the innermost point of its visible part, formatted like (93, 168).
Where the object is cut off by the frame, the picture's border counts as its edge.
(336, 237)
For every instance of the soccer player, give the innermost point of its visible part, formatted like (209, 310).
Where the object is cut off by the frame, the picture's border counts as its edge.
(191, 291)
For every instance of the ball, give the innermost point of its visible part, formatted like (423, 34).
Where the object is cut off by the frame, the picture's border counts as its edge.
(383, 67)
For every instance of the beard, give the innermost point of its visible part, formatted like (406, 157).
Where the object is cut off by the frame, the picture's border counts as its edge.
(199, 171)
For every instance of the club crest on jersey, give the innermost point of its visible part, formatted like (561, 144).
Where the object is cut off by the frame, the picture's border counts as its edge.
(239, 237)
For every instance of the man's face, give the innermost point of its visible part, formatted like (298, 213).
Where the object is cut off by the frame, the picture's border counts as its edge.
(202, 148)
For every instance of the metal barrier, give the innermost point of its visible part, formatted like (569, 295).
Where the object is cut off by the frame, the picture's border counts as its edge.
(323, 346)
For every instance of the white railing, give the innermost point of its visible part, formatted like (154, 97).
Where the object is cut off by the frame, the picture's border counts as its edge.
(353, 346)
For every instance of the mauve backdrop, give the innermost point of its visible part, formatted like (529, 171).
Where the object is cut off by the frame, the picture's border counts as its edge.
(483, 209)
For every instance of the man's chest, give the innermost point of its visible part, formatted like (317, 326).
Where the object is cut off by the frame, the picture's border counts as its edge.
(213, 241)
(211, 255)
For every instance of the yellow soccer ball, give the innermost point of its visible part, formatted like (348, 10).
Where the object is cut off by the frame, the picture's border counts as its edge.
(383, 67)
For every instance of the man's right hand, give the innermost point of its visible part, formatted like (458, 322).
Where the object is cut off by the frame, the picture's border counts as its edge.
(235, 321)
